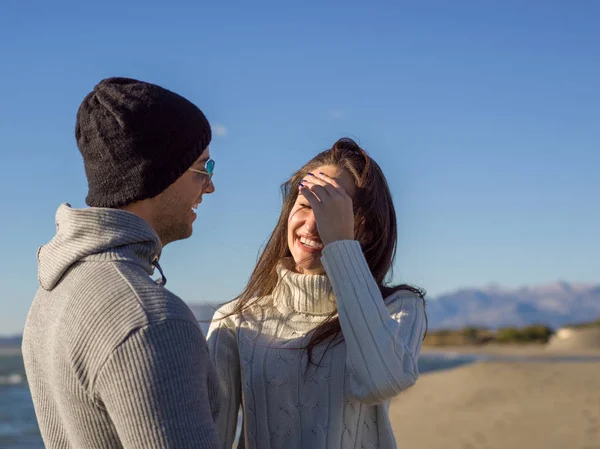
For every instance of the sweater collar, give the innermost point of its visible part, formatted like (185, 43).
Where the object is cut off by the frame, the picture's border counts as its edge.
(304, 293)
(98, 234)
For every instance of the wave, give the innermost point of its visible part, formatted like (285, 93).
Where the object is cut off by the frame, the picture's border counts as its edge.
(12, 379)
(437, 362)
(448, 355)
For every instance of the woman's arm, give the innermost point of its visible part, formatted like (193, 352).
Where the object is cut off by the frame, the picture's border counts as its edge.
(383, 344)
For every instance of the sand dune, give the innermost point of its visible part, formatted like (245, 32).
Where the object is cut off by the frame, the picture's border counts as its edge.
(569, 339)
(502, 405)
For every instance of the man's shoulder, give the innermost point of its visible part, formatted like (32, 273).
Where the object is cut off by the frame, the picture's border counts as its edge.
(114, 300)
(126, 290)
(157, 301)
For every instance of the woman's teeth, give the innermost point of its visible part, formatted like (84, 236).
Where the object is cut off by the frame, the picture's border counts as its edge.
(311, 243)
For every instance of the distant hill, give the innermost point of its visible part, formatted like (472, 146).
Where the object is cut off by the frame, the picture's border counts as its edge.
(11, 342)
(203, 312)
(556, 305)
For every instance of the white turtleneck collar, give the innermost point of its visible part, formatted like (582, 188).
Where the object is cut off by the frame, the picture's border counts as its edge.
(304, 293)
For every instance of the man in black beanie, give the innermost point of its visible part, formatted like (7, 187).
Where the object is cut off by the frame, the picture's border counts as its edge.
(113, 358)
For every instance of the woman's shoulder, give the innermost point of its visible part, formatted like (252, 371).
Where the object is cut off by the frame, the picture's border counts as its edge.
(224, 317)
(227, 313)
(238, 309)
(403, 297)
(226, 309)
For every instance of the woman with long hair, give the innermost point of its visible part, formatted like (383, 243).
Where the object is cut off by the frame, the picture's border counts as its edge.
(318, 342)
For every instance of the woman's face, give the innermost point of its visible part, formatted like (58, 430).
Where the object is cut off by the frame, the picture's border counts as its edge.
(303, 236)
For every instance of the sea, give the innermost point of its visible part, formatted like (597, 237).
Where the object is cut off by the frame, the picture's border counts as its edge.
(18, 426)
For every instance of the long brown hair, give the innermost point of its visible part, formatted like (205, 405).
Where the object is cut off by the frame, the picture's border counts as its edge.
(375, 229)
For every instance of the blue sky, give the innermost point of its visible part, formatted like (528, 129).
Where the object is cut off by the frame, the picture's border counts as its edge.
(484, 116)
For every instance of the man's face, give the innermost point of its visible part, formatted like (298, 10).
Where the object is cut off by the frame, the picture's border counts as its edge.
(173, 209)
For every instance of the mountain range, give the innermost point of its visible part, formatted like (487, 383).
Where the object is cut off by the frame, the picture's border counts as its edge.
(555, 305)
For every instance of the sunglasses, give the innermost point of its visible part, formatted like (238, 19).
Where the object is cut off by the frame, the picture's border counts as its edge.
(208, 169)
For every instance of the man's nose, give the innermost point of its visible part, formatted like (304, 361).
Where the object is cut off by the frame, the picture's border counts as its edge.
(210, 188)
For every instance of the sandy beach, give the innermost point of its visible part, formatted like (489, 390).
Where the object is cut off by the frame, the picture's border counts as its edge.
(502, 405)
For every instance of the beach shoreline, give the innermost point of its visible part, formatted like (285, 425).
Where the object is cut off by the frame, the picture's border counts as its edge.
(518, 350)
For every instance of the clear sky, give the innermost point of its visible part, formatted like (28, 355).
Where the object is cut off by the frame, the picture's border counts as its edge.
(485, 117)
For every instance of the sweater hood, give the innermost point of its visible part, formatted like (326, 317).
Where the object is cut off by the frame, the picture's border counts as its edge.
(96, 234)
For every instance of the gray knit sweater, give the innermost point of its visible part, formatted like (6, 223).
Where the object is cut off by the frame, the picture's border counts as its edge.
(344, 403)
(114, 360)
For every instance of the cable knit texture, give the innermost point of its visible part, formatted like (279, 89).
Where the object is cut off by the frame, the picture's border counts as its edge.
(114, 360)
(342, 404)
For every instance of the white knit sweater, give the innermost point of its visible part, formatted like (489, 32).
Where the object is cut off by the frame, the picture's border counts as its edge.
(345, 402)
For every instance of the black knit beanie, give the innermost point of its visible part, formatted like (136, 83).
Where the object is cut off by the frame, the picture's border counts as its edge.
(136, 140)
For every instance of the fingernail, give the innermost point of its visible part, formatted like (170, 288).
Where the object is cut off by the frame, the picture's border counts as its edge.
(310, 174)
(321, 173)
